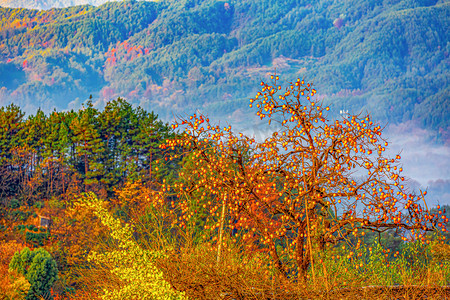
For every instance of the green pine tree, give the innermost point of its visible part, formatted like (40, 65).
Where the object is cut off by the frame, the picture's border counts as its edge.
(39, 268)
(88, 145)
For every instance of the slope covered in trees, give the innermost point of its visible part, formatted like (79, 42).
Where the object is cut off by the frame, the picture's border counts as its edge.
(48, 4)
(389, 57)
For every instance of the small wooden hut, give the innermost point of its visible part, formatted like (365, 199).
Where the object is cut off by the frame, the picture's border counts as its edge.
(44, 222)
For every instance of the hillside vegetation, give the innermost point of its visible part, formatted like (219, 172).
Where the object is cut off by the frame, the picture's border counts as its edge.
(387, 57)
(48, 4)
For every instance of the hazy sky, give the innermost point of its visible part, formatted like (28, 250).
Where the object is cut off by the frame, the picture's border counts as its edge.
(426, 164)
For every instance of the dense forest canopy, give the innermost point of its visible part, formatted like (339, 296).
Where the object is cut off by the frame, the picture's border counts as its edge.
(386, 57)
(43, 156)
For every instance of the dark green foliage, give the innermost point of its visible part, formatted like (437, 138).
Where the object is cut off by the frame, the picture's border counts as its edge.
(14, 203)
(33, 235)
(36, 239)
(45, 155)
(11, 118)
(39, 268)
(88, 144)
(19, 215)
(20, 227)
(388, 240)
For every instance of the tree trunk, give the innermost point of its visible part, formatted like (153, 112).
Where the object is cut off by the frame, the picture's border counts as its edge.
(276, 259)
(150, 168)
(62, 175)
(85, 167)
(51, 177)
(302, 256)
(222, 220)
(302, 260)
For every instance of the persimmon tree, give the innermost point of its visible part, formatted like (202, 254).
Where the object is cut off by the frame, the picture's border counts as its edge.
(313, 181)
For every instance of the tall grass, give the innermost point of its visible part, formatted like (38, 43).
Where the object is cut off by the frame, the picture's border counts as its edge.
(189, 265)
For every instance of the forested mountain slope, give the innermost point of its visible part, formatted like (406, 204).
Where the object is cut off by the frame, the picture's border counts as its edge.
(390, 58)
(48, 4)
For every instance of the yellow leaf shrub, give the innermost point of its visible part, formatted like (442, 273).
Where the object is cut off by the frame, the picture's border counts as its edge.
(141, 279)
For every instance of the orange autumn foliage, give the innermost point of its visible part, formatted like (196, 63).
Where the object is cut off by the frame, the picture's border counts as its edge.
(313, 181)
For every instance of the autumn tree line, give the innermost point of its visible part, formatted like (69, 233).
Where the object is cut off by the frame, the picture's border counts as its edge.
(69, 152)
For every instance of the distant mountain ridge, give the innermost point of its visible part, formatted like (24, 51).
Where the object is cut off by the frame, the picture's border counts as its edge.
(48, 4)
(389, 58)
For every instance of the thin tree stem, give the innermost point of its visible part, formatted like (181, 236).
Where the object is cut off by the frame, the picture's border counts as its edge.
(222, 220)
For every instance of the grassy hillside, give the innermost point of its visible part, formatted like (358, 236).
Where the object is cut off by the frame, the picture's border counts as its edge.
(389, 58)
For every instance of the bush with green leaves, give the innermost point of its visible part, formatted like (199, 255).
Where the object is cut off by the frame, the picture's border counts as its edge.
(36, 239)
(18, 215)
(14, 203)
(39, 268)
